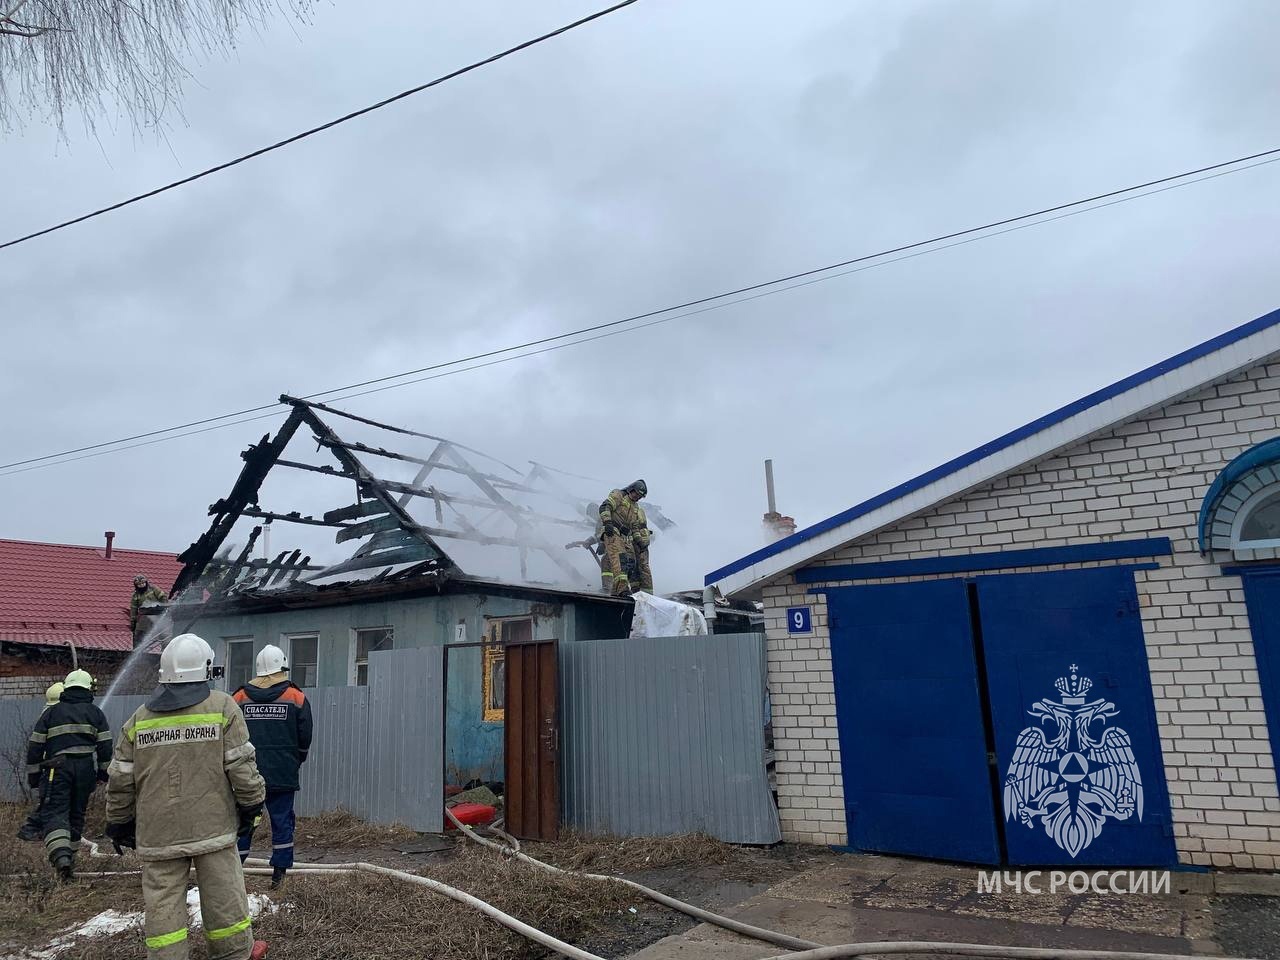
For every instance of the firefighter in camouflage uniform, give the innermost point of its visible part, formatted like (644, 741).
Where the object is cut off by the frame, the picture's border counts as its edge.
(144, 594)
(625, 532)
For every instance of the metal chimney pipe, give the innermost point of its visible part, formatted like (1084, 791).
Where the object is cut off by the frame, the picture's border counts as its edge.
(768, 484)
(110, 535)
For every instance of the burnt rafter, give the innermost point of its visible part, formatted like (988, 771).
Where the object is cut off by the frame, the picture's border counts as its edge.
(391, 530)
(258, 461)
(325, 435)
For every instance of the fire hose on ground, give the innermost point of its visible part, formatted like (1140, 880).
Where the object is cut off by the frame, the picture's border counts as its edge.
(807, 949)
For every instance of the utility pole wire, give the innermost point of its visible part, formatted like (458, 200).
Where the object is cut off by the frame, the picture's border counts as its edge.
(706, 304)
(320, 129)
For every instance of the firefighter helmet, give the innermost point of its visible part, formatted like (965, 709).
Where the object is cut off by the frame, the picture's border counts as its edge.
(186, 659)
(271, 660)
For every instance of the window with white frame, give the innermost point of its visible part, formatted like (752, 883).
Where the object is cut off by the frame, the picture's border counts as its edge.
(304, 661)
(367, 641)
(239, 665)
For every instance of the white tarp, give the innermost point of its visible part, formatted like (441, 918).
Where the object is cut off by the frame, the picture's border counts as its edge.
(660, 617)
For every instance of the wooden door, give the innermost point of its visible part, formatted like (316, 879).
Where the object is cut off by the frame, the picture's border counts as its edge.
(532, 791)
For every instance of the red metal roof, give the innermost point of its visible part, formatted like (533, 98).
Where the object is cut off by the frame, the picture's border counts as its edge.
(52, 594)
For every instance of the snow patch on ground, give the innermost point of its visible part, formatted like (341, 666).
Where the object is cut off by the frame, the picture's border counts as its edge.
(113, 921)
(104, 924)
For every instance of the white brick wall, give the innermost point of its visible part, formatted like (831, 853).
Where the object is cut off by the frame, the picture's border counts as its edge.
(26, 686)
(1144, 478)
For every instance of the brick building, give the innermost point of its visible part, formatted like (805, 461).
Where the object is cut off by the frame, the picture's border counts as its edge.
(1062, 648)
(55, 595)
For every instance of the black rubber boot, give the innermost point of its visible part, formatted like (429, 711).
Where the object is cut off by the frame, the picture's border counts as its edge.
(277, 877)
(29, 831)
(65, 867)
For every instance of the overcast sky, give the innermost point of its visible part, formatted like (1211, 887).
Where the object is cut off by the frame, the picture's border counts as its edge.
(670, 151)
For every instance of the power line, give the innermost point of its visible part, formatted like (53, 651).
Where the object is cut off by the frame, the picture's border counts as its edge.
(324, 126)
(705, 305)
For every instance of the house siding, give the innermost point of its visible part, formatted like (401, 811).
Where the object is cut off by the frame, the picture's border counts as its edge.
(1145, 478)
(473, 747)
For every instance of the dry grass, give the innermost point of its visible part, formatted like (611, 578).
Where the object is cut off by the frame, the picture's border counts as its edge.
(371, 917)
(380, 918)
(33, 905)
(604, 854)
(344, 831)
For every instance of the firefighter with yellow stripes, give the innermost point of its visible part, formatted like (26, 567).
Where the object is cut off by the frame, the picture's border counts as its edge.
(184, 786)
(69, 749)
(31, 829)
(622, 521)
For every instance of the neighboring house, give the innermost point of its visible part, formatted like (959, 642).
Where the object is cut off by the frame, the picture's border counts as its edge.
(1060, 648)
(54, 596)
(425, 550)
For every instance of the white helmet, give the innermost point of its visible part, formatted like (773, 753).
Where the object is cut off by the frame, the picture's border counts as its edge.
(271, 659)
(186, 659)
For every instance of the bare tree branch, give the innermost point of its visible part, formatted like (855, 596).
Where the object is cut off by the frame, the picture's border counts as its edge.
(102, 57)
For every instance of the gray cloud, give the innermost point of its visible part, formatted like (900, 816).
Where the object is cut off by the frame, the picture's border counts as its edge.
(670, 151)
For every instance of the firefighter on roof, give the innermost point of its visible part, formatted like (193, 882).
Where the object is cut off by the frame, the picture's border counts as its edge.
(183, 787)
(144, 594)
(625, 530)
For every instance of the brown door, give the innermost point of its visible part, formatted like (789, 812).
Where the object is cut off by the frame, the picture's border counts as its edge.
(532, 741)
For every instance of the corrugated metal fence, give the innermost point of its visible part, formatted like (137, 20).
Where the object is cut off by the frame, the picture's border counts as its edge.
(659, 736)
(666, 735)
(377, 749)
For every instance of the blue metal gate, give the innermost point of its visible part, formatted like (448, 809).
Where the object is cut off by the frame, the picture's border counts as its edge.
(912, 746)
(1262, 597)
(1082, 776)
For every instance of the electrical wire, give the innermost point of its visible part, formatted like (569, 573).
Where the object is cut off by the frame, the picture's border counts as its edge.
(324, 126)
(628, 324)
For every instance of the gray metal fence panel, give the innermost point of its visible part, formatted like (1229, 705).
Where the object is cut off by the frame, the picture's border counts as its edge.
(406, 739)
(666, 735)
(337, 772)
(377, 751)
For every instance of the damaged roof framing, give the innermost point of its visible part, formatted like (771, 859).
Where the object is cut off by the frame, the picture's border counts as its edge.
(395, 544)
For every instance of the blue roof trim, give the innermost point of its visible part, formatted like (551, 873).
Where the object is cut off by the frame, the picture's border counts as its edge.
(1264, 454)
(994, 560)
(1000, 443)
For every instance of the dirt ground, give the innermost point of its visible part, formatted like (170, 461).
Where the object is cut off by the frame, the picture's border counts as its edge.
(808, 892)
(323, 918)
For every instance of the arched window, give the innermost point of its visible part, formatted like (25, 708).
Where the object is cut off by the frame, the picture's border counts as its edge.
(1241, 512)
(1257, 522)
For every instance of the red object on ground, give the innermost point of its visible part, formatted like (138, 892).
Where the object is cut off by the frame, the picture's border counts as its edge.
(259, 950)
(471, 814)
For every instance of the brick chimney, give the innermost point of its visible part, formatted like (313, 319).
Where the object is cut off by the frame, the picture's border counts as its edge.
(110, 535)
(776, 526)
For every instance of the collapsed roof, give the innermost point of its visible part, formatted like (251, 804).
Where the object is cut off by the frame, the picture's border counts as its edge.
(427, 511)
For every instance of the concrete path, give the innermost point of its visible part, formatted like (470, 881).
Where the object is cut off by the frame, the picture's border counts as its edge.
(864, 897)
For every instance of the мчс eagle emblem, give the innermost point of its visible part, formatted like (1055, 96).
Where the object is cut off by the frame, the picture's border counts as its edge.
(1072, 772)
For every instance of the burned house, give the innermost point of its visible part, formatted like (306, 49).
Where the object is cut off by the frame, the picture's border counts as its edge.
(396, 539)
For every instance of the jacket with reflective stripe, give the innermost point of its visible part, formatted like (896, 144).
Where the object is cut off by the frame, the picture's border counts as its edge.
(73, 725)
(279, 720)
(181, 775)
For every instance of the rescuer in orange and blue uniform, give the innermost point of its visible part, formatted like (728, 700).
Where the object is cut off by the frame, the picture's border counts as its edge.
(279, 719)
